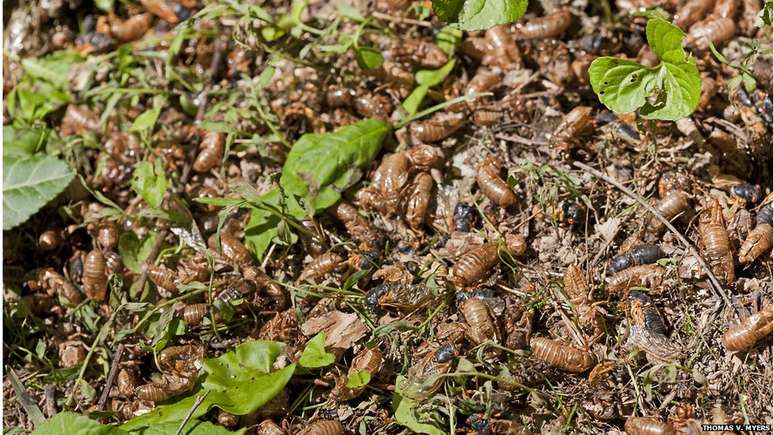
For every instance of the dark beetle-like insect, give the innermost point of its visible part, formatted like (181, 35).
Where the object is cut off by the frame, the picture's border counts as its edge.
(445, 353)
(572, 213)
(210, 151)
(765, 215)
(492, 186)
(464, 217)
(648, 426)
(747, 192)
(640, 254)
(95, 276)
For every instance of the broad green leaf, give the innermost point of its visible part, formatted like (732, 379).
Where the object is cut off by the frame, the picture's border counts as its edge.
(320, 166)
(134, 251)
(30, 183)
(75, 424)
(193, 427)
(669, 91)
(681, 86)
(150, 182)
(23, 142)
(43, 88)
(765, 16)
(666, 40)
(358, 379)
(368, 57)
(146, 120)
(239, 381)
(405, 411)
(414, 100)
(479, 14)
(314, 355)
(53, 68)
(432, 77)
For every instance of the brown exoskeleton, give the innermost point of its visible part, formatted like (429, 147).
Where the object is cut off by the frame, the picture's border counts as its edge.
(647, 330)
(648, 426)
(210, 151)
(562, 355)
(492, 186)
(367, 360)
(481, 322)
(323, 427)
(746, 333)
(549, 26)
(475, 265)
(715, 243)
(572, 128)
(759, 240)
(670, 206)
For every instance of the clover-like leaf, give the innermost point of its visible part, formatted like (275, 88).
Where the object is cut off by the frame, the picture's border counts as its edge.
(358, 379)
(368, 57)
(314, 355)
(669, 91)
(29, 184)
(406, 412)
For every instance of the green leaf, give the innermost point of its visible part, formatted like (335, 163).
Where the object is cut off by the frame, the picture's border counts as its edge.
(239, 381)
(448, 39)
(23, 142)
(405, 411)
(666, 40)
(53, 68)
(314, 355)
(368, 57)
(765, 16)
(414, 100)
(479, 14)
(320, 166)
(673, 87)
(193, 427)
(433, 77)
(150, 182)
(134, 251)
(43, 88)
(104, 5)
(30, 183)
(146, 120)
(75, 424)
(358, 379)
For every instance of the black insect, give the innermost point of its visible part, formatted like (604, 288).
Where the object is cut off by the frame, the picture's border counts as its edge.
(445, 353)
(464, 217)
(640, 254)
(750, 193)
(573, 213)
(764, 215)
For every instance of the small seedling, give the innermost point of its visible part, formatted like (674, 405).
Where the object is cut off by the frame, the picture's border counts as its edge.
(668, 91)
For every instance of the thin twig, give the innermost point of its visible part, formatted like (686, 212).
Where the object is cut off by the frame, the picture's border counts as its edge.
(716, 286)
(30, 407)
(115, 364)
(191, 411)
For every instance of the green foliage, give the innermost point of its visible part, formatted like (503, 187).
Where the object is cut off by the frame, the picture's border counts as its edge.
(426, 80)
(765, 16)
(318, 168)
(668, 91)
(134, 251)
(368, 57)
(150, 182)
(75, 424)
(358, 379)
(314, 355)
(29, 183)
(43, 88)
(479, 14)
(239, 381)
(448, 39)
(23, 142)
(146, 120)
(405, 411)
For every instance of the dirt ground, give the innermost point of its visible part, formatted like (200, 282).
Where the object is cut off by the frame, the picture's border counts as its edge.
(489, 253)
